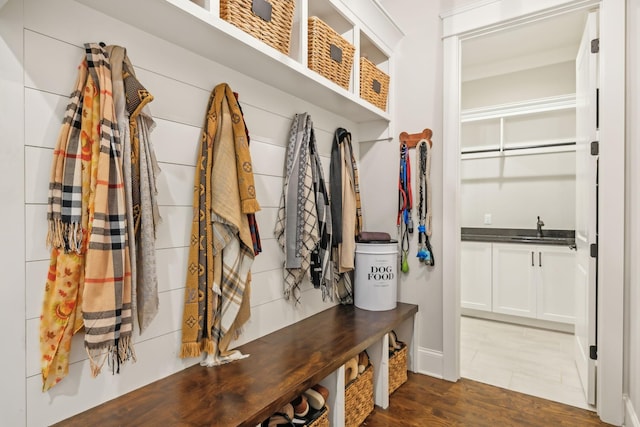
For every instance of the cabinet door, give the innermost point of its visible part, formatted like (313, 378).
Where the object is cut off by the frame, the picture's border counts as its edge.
(514, 287)
(557, 267)
(475, 275)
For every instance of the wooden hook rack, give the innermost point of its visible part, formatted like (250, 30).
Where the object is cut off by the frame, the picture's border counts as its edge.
(412, 139)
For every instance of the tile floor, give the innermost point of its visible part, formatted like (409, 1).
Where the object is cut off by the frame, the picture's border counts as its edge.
(519, 358)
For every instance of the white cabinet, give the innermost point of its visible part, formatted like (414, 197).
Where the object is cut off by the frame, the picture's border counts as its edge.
(514, 284)
(475, 275)
(534, 281)
(556, 270)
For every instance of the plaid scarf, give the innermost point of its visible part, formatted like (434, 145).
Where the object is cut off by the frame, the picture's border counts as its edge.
(107, 291)
(321, 265)
(297, 223)
(222, 250)
(66, 213)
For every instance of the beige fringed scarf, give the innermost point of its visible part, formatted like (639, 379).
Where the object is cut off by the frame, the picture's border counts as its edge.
(221, 252)
(106, 307)
(89, 274)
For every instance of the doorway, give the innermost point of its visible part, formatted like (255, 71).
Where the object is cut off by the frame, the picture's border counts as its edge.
(486, 17)
(518, 165)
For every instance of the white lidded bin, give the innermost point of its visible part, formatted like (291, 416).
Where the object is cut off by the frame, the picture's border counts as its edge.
(376, 276)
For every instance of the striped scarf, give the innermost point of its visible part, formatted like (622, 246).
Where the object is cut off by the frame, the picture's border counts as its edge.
(89, 274)
(106, 305)
(297, 223)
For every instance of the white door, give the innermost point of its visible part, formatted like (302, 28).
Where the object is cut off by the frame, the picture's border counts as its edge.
(586, 209)
(514, 285)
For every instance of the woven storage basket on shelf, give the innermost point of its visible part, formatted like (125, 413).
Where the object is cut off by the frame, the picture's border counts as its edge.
(397, 369)
(358, 398)
(374, 84)
(323, 41)
(275, 31)
(322, 420)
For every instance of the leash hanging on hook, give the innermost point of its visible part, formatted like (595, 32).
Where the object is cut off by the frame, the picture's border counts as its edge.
(425, 252)
(405, 202)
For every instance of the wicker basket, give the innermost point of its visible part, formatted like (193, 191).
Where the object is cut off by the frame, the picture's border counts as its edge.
(374, 84)
(329, 53)
(274, 28)
(358, 398)
(397, 369)
(322, 420)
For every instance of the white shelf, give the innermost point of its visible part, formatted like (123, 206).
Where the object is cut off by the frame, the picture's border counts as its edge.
(519, 108)
(545, 125)
(190, 26)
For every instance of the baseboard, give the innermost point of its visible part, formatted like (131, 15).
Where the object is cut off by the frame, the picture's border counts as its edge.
(517, 320)
(630, 415)
(430, 362)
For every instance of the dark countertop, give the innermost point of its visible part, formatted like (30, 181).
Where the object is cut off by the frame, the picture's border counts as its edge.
(519, 235)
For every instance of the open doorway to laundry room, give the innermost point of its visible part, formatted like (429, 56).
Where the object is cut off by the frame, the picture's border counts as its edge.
(518, 207)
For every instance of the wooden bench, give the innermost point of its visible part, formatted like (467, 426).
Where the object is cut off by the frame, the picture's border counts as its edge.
(281, 366)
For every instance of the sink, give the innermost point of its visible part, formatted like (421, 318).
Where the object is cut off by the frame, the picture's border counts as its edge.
(525, 236)
(542, 240)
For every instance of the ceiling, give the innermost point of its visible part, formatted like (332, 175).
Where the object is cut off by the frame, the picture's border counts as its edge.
(544, 42)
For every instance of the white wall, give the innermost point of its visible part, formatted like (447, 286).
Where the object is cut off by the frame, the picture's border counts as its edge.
(517, 189)
(540, 82)
(418, 105)
(632, 271)
(52, 34)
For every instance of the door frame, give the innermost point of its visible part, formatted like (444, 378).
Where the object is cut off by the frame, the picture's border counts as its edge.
(492, 15)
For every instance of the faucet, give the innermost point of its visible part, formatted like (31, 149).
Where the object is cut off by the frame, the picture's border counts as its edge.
(539, 225)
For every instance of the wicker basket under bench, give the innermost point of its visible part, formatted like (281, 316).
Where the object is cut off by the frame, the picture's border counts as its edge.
(268, 20)
(397, 369)
(358, 398)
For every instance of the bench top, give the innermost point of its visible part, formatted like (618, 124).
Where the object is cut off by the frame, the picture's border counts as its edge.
(281, 366)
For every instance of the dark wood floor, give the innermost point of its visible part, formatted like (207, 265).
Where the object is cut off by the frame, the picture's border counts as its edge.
(426, 401)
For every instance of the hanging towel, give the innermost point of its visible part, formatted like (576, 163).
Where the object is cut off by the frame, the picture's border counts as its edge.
(221, 251)
(297, 223)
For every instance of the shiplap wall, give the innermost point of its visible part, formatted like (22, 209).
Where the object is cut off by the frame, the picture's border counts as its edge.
(180, 81)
